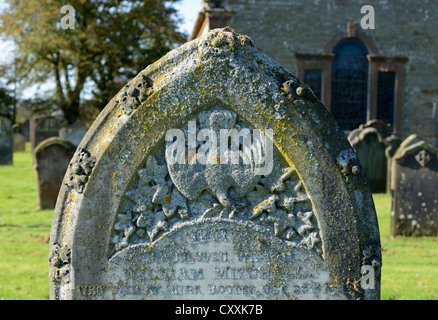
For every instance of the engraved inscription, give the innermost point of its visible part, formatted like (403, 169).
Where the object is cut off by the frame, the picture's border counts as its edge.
(215, 259)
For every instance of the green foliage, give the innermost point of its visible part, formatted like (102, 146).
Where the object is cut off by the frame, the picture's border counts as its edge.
(112, 40)
(7, 109)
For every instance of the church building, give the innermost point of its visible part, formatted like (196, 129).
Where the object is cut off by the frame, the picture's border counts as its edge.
(364, 59)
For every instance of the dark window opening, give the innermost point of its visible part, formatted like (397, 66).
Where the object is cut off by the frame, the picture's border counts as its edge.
(314, 79)
(350, 83)
(386, 96)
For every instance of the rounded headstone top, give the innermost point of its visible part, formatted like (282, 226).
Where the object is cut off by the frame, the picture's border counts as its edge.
(63, 143)
(122, 204)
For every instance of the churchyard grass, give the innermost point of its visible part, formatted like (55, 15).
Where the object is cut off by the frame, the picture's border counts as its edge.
(410, 265)
(24, 233)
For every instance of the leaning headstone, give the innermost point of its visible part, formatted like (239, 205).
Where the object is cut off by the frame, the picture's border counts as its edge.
(52, 157)
(415, 189)
(43, 127)
(370, 149)
(158, 203)
(6, 142)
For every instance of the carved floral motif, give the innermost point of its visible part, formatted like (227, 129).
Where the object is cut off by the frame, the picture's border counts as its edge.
(79, 169)
(132, 95)
(277, 203)
(60, 258)
(422, 158)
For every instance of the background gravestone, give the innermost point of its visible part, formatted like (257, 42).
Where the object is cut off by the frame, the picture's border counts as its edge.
(130, 225)
(19, 140)
(42, 127)
(370, 149)
(379, 125)
(6, 142)
(25, 129)
(415, 189)
(393, 143)
(52, 157)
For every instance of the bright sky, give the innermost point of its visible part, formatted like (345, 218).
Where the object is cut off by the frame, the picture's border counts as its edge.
(188, 11)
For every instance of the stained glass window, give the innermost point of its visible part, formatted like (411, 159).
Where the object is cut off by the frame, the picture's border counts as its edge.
(386, 96)
(350, 83)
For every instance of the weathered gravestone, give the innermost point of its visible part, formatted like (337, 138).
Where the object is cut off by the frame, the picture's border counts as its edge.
(42, 127)
(52, 157)
(6, 144)
(370, 149)
(25, 129)
(393, 143)
(150, 209)
(18, 138)
(415, 189)
(379, 125)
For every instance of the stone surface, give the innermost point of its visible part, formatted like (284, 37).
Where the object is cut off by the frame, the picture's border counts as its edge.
(6, 142)
(370, 149)
(52, 157)
(378, 125)
(130, 224)
(415, 189)
(393, 143)
(43, 127)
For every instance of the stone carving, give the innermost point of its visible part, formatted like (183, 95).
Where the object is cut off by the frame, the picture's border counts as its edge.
(133, 94)
(139, 227)
(351, 169)
(60, 258)
(79, 169)
(163, 197)
(422, 158)
(296, 90)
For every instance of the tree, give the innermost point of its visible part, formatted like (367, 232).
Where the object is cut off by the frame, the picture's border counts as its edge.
(97, 43)
(7, 104)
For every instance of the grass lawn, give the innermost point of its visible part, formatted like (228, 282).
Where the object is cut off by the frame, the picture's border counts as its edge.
(409, 272)
(410, 264)
(24, 233)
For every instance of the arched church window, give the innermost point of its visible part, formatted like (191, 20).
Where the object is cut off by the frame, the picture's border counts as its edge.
(350, 83)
